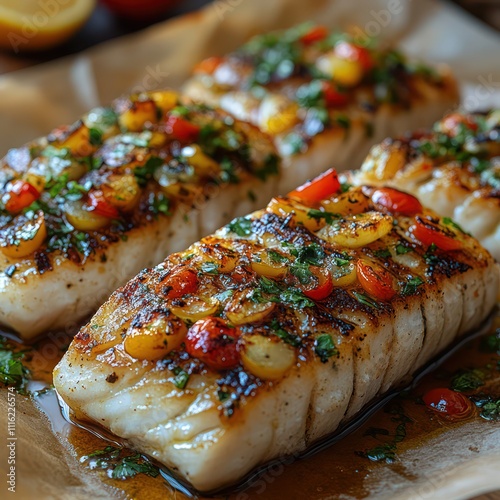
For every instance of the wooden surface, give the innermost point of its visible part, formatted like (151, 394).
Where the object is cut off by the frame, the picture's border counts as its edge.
(103, 25)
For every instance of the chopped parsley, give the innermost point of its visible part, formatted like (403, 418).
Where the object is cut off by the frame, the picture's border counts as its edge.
(95, 136)
(228, 171)
(144, 173)
(310, 95)
(387, 451)
(12, 370)
(344, 187)
(411, 285)
(223, 395)
(241, 226)
(489, 407)
(210, 268)
(468, 381)
(365, 300)
(450, 222)
(276, 257)
(329, 217)
(324, 347)
(402, 249)
(289, 338)
(119, 467)
(343, 260)
(312, 254)
(181, 377)
(280, 293)
(159, 204)
(383, 253)
(294, 143)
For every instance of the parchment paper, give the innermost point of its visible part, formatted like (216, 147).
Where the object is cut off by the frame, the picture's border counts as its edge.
(33, 101)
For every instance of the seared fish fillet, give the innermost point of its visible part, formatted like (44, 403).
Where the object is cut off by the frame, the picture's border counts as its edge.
(265, 337)
(453, 169)
(85, 209)
(324, 98)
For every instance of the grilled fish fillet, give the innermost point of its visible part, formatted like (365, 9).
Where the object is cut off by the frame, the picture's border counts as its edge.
(263, 338)
(85, 209)
(453, 169)
(325, 99)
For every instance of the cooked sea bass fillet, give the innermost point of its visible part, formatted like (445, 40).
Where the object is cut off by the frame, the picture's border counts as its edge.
(265, 337)
(85, 209)
(453, 169)
(324, 98)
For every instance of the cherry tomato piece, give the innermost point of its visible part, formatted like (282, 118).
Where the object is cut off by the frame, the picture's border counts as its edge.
(396, 202)
(448, 403)
(429, 232)
(181, 282)
(208, 65)
(212, 341)
(352, 52)
(450, 123)
(375, 280)
(314, 35)
(101, 206)
(182, 129)
(21, 195)
(333, 97)
(323, 286)
(318, 189)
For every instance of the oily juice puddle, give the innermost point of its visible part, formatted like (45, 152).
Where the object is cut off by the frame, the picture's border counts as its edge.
(346, 469)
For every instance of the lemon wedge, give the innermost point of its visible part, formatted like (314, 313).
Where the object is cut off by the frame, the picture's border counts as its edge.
(27, 25)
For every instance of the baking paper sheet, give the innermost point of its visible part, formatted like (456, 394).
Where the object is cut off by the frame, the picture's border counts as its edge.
(34, 100)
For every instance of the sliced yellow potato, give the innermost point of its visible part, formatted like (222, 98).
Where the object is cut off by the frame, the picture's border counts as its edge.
(84, 220)
(195, 308)
(24, 237)
(353, 202)
(264, 265)
(355, 231)
(242, 309)
(154, 340)
(266, 357)
(122, 191)
(284, 207)
(138, 115)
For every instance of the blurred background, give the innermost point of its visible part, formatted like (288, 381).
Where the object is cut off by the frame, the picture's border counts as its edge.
(29, 34)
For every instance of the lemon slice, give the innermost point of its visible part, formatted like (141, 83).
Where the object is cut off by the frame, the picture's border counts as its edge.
(27, 25)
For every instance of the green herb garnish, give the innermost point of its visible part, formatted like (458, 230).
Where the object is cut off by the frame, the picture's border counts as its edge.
(411, 285)
(289, 338)
(365, 300)
(12, 370)
(209, 268)
(468, 381)
(241, 226)
(324, 347)
(329, 217)
(144, 173)
(181, 377)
